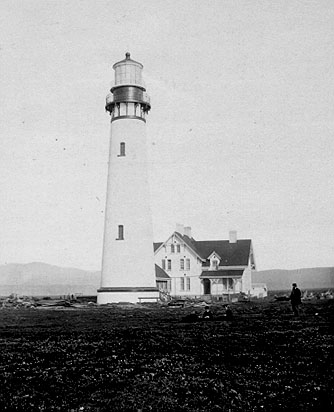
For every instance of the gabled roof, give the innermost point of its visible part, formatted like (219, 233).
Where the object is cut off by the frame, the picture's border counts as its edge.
(191, 242)
(221, 274)
(232, 254)
(160, 273)
(215, 254)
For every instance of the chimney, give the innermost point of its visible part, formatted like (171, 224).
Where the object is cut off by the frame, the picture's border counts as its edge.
(179, 228)
(187, 231)
(233, 236)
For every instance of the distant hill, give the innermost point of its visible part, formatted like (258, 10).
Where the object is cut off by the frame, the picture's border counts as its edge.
(310, 278)
(41, 279)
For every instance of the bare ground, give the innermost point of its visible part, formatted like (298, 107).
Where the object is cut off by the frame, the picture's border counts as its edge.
(130, 358)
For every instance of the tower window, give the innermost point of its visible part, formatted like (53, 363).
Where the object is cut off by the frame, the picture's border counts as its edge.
(120, 232)
(122, 149)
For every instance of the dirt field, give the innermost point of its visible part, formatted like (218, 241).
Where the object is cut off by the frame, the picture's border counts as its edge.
(147, 359)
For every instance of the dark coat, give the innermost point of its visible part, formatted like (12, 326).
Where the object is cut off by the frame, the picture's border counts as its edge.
(296, 296)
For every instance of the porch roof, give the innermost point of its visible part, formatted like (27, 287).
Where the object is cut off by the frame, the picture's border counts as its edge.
(214, 274)
(160, 273)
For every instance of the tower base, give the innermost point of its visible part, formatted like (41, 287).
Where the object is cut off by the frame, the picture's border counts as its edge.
(127, 294)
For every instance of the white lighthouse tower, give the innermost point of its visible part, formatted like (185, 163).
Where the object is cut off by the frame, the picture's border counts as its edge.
(128, 270)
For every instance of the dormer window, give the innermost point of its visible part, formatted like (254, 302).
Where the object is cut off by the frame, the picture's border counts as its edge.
(214, 262)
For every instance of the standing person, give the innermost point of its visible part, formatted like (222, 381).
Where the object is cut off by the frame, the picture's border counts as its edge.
(295, 298)
(228, 312)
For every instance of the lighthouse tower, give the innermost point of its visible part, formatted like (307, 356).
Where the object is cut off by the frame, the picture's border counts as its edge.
(128, 270)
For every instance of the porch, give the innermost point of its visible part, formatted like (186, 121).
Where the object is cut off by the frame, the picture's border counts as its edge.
(221, 283)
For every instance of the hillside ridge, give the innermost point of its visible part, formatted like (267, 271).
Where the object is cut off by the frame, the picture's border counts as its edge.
(43, 278)
(306, 278)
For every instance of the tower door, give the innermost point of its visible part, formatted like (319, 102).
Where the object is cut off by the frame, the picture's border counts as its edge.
(207, 286)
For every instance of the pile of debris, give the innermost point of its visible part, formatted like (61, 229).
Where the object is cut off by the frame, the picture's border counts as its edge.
(281, 298)
(329, 294)
(15, 301)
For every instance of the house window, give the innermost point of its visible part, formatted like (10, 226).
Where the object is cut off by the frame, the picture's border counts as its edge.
(230, 283)
(188, 283)
(178, 248)
(172, 248)
(181, 264)
(182, 284)
(187, 264)
(122, 149)
(163, 264)
(224, 283)
(169, 264)
(120, 232)
(214, 264)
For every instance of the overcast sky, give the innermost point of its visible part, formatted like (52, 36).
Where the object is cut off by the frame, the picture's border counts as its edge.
(240, 131)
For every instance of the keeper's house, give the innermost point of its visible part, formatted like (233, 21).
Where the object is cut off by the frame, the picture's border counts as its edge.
(220, 268)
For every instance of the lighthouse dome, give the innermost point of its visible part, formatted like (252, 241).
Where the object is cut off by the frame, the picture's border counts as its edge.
(128, 72)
